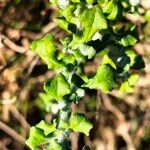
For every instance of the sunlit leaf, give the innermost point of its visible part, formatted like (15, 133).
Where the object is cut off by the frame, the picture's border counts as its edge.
(46, 127)
(36, 138)
(129, 40)
(46, 49)
(79, 123)
(58, 87)
(104, 79)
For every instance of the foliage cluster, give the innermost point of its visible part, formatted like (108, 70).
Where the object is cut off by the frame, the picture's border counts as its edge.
(96, 28)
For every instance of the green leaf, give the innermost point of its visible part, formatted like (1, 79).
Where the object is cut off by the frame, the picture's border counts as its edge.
(136, 61)
(80, 123)
(63, 124)
(61, 135)
(64, 24)
(68, 20)
(147, 15)
(83, 50)
(75, 1)
(54, 145)
(36, 138)
(133, 79)
(86, 50)
(104, 79)
(90, 1)
(134, 2)
(58, 87)
(95, 22)
(68, 13)
(45, 97)
(62, 4)
(46, 127)
(45, 101)
(67, 58)
(108, 60)
(123, 63)
(111, 8)
(126, 87)
(132, 55)
(46, 49)
(129, 40)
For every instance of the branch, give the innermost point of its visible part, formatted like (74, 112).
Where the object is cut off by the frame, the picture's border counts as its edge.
(20, 118)
(123, 126)
(6, 41)
(12, 133)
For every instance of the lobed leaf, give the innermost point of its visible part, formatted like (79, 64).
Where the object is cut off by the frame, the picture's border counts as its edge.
(46, 127)
(111, 9)
(95, 22)
(80, 123)
(127, 86)
(58, 87)
(129, 40)
(46, 49)
(36, 138)
(104, 79)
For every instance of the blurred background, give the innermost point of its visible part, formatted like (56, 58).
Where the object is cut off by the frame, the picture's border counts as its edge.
(121, 121)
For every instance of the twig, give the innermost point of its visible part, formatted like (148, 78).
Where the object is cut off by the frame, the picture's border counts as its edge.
(29, 71)
(123, 126)
(123, 130)
(2, 146)
(50, 26)
(8, 101)
(12, 133)
(32, 65)
(20, 118)
(134, 19)
(112, 108)
(2, 58)
(12, 45)
(144, 124)
(11, 62)
(98, 104)
(74, 141)
(5, 113)
(110, 138)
